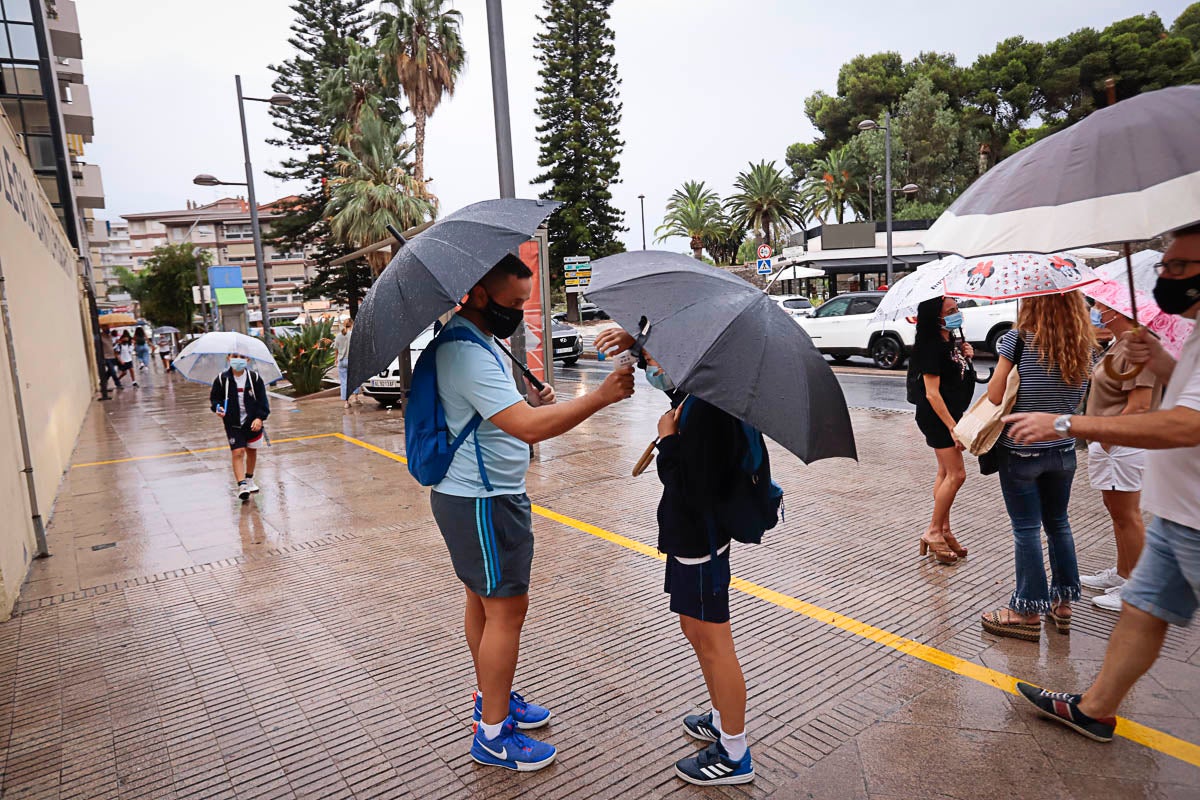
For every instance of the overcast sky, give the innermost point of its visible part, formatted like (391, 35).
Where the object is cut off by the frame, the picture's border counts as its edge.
(708, 85)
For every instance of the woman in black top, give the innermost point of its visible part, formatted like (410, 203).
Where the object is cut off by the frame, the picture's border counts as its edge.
(943, 360)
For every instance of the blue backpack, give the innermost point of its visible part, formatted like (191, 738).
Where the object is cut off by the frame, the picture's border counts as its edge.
(427, 442)
(755, 502)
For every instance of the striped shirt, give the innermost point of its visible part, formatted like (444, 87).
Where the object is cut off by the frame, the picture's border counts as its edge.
(1041, 389)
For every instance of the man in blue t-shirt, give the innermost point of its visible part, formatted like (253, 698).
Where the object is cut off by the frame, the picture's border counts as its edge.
(481, 507)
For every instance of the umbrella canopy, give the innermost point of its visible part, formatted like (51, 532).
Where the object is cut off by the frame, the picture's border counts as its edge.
(1114, 293)
(1125, 173)
(116, 320)
(165, 329)
(1015, 275)
(915, 288)
(205, 358)
(726, 342)
(1144, 275)
(432, 272)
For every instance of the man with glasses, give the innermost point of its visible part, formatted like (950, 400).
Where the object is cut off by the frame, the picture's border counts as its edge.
(1164, 588)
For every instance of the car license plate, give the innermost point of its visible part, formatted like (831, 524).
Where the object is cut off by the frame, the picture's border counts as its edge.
(562, 351)
(383, 384)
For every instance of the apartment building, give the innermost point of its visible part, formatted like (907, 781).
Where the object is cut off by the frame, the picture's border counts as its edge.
(223, 229)
(111, 248)
(43, 94)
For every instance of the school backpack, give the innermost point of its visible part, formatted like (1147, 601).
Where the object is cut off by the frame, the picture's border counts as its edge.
(755, 502)
(427, 441)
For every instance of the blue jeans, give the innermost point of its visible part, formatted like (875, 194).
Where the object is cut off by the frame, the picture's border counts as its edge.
(343, 367)
(143, 353)
(1037, 488)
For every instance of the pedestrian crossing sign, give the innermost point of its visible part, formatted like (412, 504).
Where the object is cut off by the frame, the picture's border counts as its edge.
(764, 266)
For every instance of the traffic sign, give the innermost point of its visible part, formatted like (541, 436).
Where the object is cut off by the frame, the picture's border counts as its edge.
(577, 273)
(764, 264)
(764, 252)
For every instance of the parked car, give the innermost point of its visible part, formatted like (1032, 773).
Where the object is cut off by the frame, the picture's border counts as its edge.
(588, 312)
(842, 328)
(567, 343)
(797, 305)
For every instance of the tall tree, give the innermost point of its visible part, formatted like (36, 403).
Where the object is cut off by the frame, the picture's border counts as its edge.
(833, 185)
(764, 199)
(723, 245)
(694, 213)
(579, 112)
(356, 87)
(375, 187)
(167, 283)
(423, 46)
(322, 33)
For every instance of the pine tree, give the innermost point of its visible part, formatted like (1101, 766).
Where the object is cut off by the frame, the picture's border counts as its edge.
(321, 33)
(579, 112)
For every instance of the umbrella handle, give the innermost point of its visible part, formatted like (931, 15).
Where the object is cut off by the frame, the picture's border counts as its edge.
(646, 457)
(1111, 370)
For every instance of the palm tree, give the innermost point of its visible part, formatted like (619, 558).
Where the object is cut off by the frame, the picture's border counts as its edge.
(834, 183)
(723, 245)
(357, 86)
(424, 47)
(764, 198)
(693, 212)
(375, 187)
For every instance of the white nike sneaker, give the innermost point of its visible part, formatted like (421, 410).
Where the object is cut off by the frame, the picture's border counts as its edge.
(251, 485)
(1104, 579)
(243, 491)
(1110, 600)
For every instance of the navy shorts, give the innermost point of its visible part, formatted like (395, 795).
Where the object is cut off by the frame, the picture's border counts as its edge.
(700, 591)
(240, 438)
(490, 540)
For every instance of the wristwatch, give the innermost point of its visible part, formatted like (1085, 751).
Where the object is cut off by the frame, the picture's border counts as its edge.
(1062, 423)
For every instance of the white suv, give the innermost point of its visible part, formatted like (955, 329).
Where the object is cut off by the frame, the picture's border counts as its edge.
(841, 327)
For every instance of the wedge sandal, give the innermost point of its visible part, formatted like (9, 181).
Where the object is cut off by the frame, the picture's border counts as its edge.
(1028, 631)
(1062, 624)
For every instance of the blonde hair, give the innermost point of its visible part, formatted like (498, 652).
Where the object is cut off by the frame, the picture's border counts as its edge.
(1064, 334)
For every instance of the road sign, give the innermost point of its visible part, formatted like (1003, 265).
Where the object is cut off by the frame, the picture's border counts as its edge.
(764, 253)
(764, 264)
(577, 273)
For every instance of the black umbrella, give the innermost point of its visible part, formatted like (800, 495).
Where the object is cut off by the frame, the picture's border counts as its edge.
(726, 342)
(431, 273)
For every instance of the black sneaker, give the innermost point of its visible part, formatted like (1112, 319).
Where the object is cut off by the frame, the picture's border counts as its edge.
(1064, 708)
(700, 726)
(713, 766)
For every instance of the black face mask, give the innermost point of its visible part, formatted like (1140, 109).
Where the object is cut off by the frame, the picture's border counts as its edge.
(1177, 296)
(502, 321)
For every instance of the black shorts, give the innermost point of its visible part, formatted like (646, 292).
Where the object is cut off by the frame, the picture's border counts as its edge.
(244, 437)
(490, 540)
(937, 435)
(700, 591)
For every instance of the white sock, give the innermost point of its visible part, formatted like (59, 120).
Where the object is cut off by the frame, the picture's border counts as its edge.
(492, 731)
(716, 719)
(735, 746)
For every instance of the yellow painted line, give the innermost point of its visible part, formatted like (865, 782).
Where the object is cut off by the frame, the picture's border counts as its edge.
(371, 447)
(194, 452)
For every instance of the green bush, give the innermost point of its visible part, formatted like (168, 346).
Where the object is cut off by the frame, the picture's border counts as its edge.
(305, 357)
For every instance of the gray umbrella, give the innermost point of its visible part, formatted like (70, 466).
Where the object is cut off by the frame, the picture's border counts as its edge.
(432, 272)
(726, 342)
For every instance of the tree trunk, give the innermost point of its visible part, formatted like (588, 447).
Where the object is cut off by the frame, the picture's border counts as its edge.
(697, 248)
(419, 158)
(767, 231)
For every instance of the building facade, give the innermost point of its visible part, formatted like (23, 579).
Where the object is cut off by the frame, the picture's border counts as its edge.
(223, 229)
(43, 94)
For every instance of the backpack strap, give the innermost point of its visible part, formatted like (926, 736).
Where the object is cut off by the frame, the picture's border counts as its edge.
(461, 333)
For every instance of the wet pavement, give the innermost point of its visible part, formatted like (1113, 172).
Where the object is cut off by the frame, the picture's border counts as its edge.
(309, 643)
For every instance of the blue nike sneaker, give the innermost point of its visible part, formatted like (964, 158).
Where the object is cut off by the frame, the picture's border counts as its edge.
(512, 750)
(527, 716)
(713, 766)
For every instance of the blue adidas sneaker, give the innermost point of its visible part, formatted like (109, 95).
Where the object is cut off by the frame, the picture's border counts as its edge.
(713, 767)
(512, 750)
(527, 716)
(700, 726)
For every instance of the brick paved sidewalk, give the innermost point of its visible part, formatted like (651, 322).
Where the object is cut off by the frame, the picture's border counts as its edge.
(309, 644)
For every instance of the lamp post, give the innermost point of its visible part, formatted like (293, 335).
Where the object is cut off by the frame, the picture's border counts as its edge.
(870, 125)
(209, 180)
(642, 200)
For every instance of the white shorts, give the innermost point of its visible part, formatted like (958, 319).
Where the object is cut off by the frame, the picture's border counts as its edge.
(1117, 469)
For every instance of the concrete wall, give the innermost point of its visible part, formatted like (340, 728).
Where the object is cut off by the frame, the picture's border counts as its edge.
(44, 297)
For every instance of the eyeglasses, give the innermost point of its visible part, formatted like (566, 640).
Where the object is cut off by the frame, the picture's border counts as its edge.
(1175, 267)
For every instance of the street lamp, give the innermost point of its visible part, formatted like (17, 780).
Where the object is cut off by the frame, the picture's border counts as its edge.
(642, 200)
(209, 180)
(870, 125)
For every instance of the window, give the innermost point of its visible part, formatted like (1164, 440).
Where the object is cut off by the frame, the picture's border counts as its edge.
(17, 10)
(833, 308)
(797, 303)
(863, 305)
(23, 42)
(238, 232)
(22, 79)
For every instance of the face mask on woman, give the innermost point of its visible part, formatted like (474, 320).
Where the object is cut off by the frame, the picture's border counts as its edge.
(658, 379)
(953, 322)
(238, 364)
(1097, 318)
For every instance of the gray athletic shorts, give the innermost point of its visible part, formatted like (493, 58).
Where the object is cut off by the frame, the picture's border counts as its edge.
(490, 540)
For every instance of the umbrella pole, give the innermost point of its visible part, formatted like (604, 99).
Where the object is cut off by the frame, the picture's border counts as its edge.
(1109, 368)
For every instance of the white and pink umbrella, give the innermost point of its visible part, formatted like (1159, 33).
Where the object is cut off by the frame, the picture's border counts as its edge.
(1014, 275)
(1170, 329)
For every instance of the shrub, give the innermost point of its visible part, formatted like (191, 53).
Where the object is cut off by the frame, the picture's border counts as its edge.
(305, 357)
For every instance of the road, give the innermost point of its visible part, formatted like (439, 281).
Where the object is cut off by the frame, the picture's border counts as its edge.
(864, 385)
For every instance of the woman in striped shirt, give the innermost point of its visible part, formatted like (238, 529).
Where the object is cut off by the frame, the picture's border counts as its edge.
(1054, 362)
